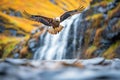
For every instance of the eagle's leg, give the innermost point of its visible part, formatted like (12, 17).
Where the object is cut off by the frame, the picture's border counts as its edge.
(58, 29)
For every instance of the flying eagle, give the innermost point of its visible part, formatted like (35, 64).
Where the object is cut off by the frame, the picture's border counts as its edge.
(53, 24)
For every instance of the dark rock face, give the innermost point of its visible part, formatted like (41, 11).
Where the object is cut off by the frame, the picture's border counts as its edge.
(108, 33)
(2, 28)
(112, 32)
(117, 51)
(91, 69)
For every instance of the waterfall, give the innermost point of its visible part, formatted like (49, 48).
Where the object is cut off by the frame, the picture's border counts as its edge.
(56, 46)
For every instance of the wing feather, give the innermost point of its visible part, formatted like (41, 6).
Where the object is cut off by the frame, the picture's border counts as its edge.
(67, 14)
(70, 13)
(38, 18)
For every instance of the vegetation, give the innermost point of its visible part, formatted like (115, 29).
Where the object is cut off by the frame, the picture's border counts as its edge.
(14, 27)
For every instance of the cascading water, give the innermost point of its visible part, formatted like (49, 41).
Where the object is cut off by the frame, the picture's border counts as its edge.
(61, 45)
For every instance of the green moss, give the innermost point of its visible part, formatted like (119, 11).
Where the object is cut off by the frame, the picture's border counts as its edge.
(14, 27)
(89, 52)
(102, 3)
(109, 0)
(29, 55)
(97, 16)
(8, 26)
(109, 52)
(8, 48)
(21, 32)
(96, 20)
(98, 36)
(8, 43)
(112, 12)
(87, 36)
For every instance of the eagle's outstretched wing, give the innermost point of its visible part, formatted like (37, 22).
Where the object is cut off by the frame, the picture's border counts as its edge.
(72, 12)
(67, 14)
(46, 21)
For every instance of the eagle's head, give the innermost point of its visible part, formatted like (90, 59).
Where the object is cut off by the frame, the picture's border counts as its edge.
(57, 19)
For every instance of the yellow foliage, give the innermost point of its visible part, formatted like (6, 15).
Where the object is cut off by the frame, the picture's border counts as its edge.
(98, 36)
(96, 19)
(90, 51)
(7, 44)
(21, 23)
(6, 39)
(23, 26)
(41, 7)
(114, 11)
(8, 48)
(87, 36)
(103, 3)
(110, 52)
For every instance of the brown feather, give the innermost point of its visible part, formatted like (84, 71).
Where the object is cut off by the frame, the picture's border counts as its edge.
(38, 18)
(55, 30)
(67, 14)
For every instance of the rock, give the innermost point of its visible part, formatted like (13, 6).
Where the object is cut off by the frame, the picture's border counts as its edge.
(16, 55)
(54, 70)
(94, 61)
(110, 33)
(115, 64)
(16, 61)
(117, 51)
(2, 28)
(33, 45)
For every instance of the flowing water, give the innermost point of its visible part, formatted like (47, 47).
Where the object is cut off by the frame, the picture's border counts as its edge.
(62, 45)
(69, 43)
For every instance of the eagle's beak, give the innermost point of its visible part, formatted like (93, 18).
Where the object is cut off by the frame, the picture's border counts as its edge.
(55, 30)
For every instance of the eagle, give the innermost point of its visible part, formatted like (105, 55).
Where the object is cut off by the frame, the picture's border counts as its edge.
(53, 24)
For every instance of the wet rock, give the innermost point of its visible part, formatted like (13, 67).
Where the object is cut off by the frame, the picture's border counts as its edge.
(112, 33)
(16, 55)
(117, 51)
(35, 31)
(33, 45)
(56, 70)
(16, 61)
(115, 64)
(8, 71)
(2, 28)
(18, 14)
(13, 32)
(107, 8)
(13, 12)
(94, 61)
